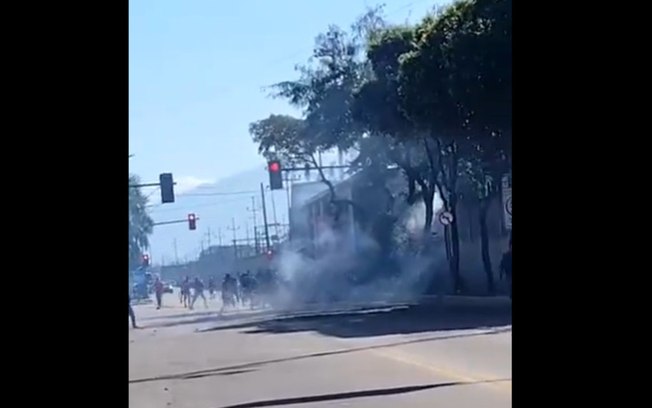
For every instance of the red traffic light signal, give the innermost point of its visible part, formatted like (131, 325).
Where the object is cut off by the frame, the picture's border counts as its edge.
(192, 222)
(145, 260)
(275, 175)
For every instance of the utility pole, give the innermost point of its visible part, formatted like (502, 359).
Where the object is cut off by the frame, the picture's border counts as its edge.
(256, 240)
(254, 210)
(262, 194)
(219, 236)
(271, 192)
(247, 238)
(288, 186)
(176, 254)
(208, 238)
(235, 238)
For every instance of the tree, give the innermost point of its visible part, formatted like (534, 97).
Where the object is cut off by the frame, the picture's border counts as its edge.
(140, 223)
(426, 99)
(287, 138)
(324, 91)
(377, 108)
(480, 53)
(456, 86)
(484, 170)
(434, 99)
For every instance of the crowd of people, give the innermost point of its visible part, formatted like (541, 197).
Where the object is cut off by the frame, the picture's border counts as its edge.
(241, 289)
(245, 289)
(254, 290)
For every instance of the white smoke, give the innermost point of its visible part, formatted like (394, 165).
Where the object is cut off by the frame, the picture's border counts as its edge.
(345, 266)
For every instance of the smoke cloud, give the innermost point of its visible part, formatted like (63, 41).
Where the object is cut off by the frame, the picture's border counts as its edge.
(350, 268)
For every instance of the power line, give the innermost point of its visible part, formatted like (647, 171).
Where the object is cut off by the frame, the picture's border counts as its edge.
(159, 210)
(157, 205)
(216, 194)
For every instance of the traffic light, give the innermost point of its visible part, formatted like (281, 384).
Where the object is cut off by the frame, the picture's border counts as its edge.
(145, 260)
(192, 222)
(275, 175)
(167, 187)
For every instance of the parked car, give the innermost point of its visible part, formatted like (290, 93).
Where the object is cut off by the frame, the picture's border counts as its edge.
(167, 288)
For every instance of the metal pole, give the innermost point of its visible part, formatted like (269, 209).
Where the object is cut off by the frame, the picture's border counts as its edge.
(247, 238)
(172, 222)
(287, 191)
(235, 244)
(257, 248)
(271, 192)
(262, 194)
(253, 209)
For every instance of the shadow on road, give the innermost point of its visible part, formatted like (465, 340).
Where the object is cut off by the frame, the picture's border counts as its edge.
(245, 367)
(404, 320)
(229, 314)
(212, 316)
(212, 374)
(227, 371)
(352, 394)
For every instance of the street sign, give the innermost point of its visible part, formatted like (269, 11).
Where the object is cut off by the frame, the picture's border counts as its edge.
(446, 218)
(507, 201)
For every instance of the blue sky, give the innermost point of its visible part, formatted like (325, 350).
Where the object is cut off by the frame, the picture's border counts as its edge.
(196, 69)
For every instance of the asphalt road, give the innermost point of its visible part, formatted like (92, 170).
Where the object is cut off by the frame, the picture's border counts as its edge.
(382, 357)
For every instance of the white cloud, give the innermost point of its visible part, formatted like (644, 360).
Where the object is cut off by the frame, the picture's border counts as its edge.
(187, 183)
(183, 185)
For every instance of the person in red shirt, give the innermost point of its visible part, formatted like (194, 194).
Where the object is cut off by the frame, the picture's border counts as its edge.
(158, 290)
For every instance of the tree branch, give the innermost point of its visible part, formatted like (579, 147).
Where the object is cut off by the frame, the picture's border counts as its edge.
(329, 184)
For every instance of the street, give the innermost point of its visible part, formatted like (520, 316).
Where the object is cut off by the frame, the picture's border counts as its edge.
(384, 357)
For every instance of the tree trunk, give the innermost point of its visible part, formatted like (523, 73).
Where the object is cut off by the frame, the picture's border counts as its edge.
(484, 246)
(428, 197)
(411, 187)
(455, 234)
(458, 284)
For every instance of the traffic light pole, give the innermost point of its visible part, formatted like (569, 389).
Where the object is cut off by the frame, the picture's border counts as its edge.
(343, 166)
(262, 194)
(147, 185)
(166, 183)
(172, 222)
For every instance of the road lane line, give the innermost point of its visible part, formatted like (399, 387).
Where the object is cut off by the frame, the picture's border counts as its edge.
(405, 358)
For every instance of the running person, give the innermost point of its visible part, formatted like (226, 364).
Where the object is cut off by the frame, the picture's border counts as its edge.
(229, 288)
(185, 292)
(211, 287)
(158, 291)
(198, 287)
